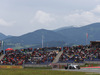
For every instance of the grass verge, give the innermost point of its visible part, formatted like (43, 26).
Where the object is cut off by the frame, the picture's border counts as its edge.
(30, 71)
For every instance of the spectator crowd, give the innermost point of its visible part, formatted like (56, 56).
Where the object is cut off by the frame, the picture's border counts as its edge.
(79, 54)
(28, 56)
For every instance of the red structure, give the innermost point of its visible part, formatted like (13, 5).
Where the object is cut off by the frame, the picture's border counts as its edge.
(9, 49)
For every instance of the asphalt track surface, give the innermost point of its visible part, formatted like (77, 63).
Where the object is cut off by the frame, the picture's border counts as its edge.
(82, 70)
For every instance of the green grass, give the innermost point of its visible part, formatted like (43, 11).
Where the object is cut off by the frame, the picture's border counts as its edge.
(28, 46)
(23, 46)
(19, 47)
(40, 72)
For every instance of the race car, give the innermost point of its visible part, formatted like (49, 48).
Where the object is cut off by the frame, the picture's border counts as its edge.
(70, 66)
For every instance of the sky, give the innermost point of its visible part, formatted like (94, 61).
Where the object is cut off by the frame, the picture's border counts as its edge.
(18, 17)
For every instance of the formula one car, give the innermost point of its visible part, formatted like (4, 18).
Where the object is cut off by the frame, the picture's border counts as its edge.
(70, 66)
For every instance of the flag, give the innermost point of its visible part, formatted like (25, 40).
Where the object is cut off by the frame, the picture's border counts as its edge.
(86, 35)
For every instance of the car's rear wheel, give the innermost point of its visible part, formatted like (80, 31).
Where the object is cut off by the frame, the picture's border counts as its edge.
(66, 67)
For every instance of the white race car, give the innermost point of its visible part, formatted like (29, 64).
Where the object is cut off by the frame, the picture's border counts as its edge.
(70, 66)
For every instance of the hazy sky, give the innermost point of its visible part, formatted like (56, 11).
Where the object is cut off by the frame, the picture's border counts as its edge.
(18, 17)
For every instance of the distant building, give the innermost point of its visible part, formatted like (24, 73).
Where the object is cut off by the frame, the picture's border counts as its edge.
(95, 43)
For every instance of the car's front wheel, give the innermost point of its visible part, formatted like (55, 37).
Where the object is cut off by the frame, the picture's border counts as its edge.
(78, 67)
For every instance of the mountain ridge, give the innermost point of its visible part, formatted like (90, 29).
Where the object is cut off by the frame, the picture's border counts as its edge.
(71, 35)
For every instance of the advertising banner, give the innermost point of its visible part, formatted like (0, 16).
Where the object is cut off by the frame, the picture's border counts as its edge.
(9, 66)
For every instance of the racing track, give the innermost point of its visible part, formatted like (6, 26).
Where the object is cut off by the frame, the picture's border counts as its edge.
(84, 69)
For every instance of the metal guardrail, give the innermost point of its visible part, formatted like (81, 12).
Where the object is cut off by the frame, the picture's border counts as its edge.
(31, 65)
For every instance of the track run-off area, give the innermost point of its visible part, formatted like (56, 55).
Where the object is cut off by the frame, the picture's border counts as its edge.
(90, 70)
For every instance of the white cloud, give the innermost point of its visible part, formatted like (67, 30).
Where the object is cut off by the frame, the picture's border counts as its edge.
(83, 18)
(97, 9)
(97, 0)
(42, 17)
(5, 23)
(78, 18)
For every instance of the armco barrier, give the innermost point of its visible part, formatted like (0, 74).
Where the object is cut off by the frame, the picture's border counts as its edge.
(95, 62)
(31, 65)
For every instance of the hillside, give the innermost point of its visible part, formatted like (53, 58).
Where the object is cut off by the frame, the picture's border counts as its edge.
(2, 36)
(77, 35)
(35, 38)
(59, 37)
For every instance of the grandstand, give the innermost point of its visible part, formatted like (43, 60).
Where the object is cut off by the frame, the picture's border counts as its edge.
(29, 56)
(80, 54)
(53, 55)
